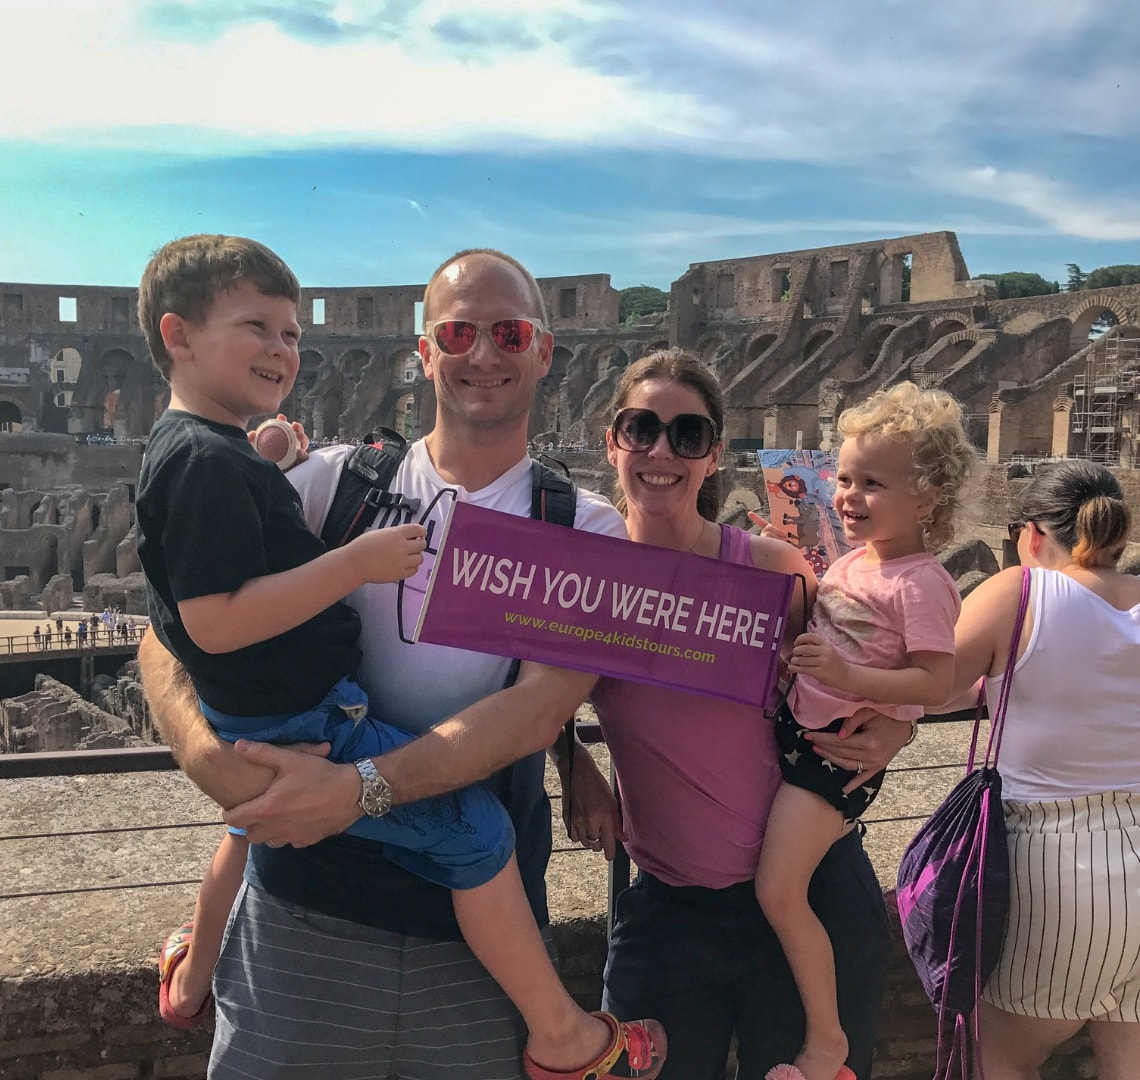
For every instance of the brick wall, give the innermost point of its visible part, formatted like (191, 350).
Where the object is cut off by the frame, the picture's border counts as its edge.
(103, 1025)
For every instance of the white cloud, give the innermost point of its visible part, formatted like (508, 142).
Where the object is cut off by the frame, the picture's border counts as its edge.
(1057, 205)
(89, 71)
(816, 81)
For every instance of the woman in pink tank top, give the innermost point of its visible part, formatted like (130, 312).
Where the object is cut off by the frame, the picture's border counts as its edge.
(697, 777)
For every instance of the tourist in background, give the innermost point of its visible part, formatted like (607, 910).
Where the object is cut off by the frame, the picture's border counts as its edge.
(697, 778)
(1070, 767)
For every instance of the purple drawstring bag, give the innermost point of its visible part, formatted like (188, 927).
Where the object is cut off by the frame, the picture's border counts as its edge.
(953, 887)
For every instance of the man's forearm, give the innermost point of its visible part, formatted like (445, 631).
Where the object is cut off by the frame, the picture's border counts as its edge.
(488, 735)
(211, 763)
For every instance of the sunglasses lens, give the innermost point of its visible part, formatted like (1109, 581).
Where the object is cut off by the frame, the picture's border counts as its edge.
(512, 335)
(691, 435)
(636, 430)
(455, 337)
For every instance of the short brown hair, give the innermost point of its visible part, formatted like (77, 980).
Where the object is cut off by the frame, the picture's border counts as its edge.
(185, 276)
(493, 253)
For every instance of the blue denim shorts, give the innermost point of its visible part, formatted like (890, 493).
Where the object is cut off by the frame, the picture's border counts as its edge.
(458, 840)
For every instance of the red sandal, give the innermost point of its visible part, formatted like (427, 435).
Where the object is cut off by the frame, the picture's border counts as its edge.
(174, 951)
(636, 1052)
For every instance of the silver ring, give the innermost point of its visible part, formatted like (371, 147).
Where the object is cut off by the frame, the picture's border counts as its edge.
(592, 839)
(273, 843)
(859, 766)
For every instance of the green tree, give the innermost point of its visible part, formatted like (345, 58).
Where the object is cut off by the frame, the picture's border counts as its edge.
(1108, 277)
(1018, 283)
(1077, 277)
(639, 300)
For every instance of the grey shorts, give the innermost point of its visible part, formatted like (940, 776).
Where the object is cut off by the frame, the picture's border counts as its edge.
(305, 996)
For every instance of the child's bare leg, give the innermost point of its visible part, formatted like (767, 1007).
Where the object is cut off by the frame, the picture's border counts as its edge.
(801, 828)
(191, 980)
(499, 927)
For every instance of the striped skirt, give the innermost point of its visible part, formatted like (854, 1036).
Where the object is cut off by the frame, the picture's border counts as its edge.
(1072, 946)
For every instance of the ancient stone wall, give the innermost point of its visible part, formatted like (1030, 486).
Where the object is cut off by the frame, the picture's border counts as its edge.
(53, 717)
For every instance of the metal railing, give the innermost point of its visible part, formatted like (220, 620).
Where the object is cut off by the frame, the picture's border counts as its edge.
(156, 758)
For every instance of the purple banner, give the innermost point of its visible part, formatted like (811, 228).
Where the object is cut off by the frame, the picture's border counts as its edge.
(515, 587)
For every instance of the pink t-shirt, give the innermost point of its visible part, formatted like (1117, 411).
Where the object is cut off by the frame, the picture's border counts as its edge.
(697, 775)
(874, 614)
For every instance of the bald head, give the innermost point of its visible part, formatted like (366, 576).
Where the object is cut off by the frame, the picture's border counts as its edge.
(469, 262)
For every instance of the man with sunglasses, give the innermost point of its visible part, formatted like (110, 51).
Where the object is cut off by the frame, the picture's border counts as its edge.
(339, 963)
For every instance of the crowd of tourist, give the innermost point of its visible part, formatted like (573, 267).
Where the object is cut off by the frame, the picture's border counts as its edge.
(111, 627)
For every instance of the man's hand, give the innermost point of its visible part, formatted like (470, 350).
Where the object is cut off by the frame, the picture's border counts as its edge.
(590, 812)
(867, 743)
(814, 656)
(309, 798)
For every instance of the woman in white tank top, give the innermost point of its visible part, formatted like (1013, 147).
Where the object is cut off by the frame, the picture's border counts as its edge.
(1070, 764)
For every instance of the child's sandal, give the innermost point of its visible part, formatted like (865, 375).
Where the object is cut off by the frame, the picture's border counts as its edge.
(790, 1072)
(174, 951)
(636, 1052)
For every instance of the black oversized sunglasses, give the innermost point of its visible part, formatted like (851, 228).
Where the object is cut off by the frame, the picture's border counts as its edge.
(1014, 529)
(690, 435)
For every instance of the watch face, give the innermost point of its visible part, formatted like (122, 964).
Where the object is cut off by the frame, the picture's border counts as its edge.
(376, 800)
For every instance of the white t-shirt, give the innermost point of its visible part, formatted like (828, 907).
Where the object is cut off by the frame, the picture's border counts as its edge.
(417, 686)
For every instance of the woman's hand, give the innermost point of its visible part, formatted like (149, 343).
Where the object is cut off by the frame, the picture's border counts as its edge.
(590, 812)
(867, 743)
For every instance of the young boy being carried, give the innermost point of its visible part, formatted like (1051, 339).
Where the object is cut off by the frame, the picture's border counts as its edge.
(251, 603)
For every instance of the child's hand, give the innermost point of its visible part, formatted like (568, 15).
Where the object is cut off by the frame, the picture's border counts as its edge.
(302, 453)
(390, 554)
(815, 657)
(773, 532)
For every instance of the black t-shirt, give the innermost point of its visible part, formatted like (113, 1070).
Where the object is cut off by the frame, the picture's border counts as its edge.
(212, 515)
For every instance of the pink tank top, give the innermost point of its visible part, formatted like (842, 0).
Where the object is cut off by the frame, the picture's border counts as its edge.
(697, 775)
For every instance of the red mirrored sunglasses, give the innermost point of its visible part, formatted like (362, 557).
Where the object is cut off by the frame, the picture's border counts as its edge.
(457, 336)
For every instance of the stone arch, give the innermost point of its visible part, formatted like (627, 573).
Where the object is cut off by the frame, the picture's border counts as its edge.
(64, 374)
(860, 359)
(1084, 316)
(708, 347)
(114, 394)
(332, 390)
(298, 405)
(11, 418)
(611, 354)
(944, 328)
(758, 345)
(372, 387)
(816, 342)
(550, 413)
(406, 419)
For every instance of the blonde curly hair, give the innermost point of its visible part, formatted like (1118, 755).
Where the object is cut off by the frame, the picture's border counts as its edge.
(943, 459)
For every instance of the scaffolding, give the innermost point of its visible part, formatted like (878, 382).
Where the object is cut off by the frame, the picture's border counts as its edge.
(1105, 419)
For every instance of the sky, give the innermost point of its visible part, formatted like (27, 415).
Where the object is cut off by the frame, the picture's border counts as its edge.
(367, 140)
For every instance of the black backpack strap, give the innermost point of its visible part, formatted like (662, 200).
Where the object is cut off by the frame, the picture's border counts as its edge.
(554, 498)
(362, 490)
